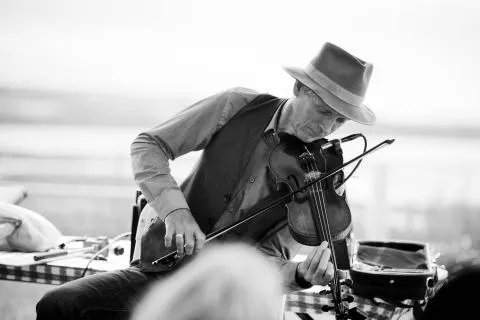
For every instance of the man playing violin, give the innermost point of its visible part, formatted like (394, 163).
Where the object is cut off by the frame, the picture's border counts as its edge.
(235, 129)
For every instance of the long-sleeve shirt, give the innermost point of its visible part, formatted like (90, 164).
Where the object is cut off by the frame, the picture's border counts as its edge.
(191, 130)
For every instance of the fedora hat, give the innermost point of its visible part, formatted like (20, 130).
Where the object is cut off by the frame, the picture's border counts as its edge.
(340, 79)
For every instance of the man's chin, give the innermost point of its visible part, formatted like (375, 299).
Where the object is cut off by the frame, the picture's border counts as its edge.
(311, 139)
(308, 135)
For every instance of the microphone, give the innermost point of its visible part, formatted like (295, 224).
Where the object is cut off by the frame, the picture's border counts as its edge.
(333, 142)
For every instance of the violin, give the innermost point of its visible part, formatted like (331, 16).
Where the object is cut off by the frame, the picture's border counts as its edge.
(320, 211)
(292, 164)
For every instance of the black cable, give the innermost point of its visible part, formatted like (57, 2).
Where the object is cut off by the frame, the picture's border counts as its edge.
(120, 236)
(359, 161)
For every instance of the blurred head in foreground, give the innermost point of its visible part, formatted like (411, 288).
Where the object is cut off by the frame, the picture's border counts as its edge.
(231, 281)
(455, 298)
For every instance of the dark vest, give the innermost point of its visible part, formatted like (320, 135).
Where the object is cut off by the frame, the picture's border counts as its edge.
(222, 165)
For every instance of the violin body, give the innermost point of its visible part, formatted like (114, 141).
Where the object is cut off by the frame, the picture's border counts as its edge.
(287, 171)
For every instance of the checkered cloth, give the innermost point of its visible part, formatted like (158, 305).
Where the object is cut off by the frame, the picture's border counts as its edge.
(43, 273)
(19, 266)
(311, 303)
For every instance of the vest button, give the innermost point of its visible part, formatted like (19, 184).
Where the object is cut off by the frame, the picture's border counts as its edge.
(211, 222)
(252, 179)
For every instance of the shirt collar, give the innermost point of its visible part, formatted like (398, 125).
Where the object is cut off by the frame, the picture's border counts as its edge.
(273, 124)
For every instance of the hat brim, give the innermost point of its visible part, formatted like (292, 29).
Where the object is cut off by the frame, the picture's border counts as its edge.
(361, 114)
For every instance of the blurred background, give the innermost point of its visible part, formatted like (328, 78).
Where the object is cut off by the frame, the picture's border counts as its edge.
(80, 79)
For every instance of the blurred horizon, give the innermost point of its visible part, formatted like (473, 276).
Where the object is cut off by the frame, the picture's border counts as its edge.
(69, 107)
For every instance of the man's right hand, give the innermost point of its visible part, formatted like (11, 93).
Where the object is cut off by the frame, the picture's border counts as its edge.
(183, 231)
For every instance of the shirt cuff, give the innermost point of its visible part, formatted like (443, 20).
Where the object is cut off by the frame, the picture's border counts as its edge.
(169, 200)
(289, 271)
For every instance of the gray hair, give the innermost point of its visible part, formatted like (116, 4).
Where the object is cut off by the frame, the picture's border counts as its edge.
(231, 281)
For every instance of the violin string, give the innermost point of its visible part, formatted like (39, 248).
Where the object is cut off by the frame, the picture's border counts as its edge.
(312, 167)
(329, 234)
(320, 207)
(312, 191)
(324, 224)
(314, 194)
(325, 217)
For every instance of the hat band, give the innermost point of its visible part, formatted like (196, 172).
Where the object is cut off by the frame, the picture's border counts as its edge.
(334, 88)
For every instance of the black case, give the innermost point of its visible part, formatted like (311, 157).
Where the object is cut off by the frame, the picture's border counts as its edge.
(393, 283)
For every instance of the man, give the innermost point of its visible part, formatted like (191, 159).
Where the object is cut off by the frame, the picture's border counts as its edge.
(235, 129)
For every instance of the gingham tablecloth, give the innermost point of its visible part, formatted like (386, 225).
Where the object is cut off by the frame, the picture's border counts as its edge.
(61, 270)
(311, 302)
(43, 273)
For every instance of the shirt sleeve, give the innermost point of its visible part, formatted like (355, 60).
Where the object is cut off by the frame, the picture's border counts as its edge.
(189, 130)
(280, 248)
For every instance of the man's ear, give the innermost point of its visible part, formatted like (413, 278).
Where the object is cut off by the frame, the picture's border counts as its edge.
(296, 88)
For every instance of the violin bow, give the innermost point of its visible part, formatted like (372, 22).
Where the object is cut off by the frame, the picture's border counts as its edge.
(221, 231)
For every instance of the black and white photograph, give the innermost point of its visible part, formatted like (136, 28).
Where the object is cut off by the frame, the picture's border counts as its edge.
(210, 160)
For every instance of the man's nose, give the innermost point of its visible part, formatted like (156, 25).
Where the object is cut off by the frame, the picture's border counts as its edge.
(330, 124)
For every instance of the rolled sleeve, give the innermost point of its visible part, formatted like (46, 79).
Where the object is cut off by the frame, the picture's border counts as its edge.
(189, 130)
(169, 200)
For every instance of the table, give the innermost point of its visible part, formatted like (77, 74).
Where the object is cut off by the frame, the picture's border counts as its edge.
(22, 286)
(62, 270)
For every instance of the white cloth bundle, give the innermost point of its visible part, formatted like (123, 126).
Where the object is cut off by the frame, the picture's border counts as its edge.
(24, 230)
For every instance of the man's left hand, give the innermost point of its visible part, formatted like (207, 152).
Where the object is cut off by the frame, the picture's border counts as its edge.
(317, 268)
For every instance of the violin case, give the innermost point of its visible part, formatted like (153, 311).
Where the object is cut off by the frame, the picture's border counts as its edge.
(393, 270)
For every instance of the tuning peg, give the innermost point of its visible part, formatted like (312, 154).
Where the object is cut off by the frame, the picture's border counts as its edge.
(327, 308)
(324, 292)
(348, 282)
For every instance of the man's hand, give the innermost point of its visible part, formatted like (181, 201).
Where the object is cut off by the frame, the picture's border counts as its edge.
(183, 230)
(317, 268)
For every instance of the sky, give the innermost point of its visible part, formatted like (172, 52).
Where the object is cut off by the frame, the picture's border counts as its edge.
(425, 53)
